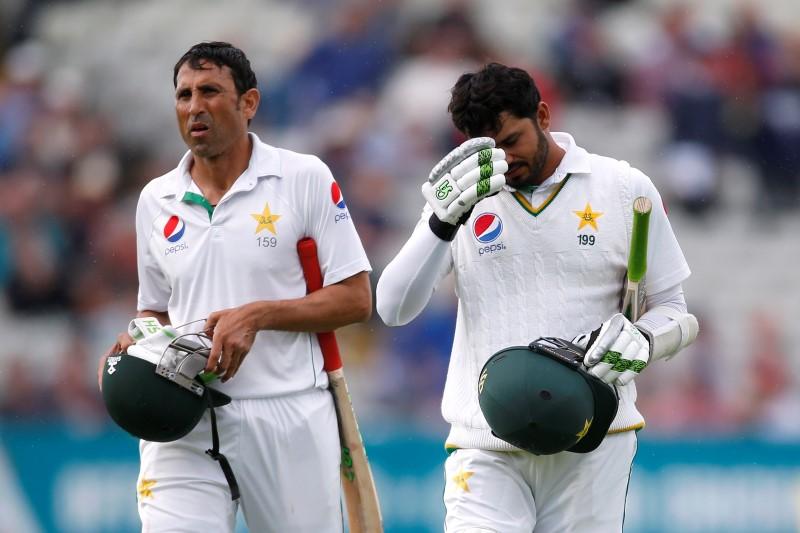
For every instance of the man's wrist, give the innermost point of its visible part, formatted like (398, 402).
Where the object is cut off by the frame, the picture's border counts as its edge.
(443, 230)
(259, 314)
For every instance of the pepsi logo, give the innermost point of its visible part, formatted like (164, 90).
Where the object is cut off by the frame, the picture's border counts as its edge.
(174, 228)
(487, 227)
(336, 196)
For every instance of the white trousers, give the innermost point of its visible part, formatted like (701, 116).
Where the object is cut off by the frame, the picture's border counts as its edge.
(284, 452)
(518, 492)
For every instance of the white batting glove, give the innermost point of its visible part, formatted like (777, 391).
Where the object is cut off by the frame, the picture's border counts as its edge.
(141, 328)
(155, 345)
(465, 176)
(616, 352)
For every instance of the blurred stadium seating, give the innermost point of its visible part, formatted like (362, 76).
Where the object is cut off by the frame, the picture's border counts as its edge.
(703, 97)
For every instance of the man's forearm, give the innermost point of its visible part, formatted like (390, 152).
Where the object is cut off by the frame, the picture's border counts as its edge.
(161, 316)
(666, 324)
(408, 282)
(327, 309)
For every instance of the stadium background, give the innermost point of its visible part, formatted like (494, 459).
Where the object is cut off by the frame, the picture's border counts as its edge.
(704, 97)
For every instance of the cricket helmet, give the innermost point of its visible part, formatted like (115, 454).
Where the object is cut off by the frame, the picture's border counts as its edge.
(541, 398)
(159, 401)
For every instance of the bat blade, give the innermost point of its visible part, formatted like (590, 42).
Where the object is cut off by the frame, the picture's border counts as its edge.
(633, 302)
(358, 485)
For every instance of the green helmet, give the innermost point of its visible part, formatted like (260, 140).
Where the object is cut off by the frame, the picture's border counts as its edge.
(159, 402)
(540, 398)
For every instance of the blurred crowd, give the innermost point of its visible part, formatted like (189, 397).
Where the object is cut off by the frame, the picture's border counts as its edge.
(367, 90)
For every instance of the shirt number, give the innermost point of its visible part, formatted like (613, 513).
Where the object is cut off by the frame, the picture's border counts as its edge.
(585, 240)
(267, 242)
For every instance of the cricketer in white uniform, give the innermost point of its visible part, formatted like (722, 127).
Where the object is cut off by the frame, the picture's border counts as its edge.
(230, 260)
(548, 260)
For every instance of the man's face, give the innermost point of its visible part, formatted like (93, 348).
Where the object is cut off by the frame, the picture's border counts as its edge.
(526, 148)
(211, 114)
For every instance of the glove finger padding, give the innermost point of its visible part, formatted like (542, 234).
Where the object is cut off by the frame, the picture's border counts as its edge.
(600, 340)
(612, 363)
(472, 195)
(457, 155)
(475, 174)
(617, 352)
(477, 160)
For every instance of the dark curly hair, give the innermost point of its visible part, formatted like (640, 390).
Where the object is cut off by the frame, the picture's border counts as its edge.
(478, 98)
(221, 54)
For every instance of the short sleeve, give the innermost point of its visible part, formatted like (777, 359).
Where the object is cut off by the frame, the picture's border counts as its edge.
(154, 287)
(328, 221)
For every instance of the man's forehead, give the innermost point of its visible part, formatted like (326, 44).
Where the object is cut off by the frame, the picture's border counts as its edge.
(509, 123)
(203, 70)
(501, 126)
(507, 120)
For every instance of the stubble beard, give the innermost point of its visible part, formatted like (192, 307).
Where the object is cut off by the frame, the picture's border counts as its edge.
(208, 148)
(535, 176)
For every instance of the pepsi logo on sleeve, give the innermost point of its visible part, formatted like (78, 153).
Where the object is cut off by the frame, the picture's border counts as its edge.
(337, 196)
(338, 201)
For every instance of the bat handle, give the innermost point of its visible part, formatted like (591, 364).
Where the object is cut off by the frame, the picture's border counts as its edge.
(307, 252)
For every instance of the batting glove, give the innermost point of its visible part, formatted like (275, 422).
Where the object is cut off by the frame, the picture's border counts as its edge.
(465, 176)
(616, 352)
(154, 345)
(141, 328)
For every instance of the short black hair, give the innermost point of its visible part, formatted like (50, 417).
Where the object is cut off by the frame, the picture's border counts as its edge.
(478, 98)
(221, 54)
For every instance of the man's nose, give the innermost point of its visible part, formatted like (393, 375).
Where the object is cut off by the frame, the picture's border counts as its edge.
(196, 105)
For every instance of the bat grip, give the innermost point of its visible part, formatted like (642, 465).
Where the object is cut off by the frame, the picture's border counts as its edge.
(307, 252)
(330, 351)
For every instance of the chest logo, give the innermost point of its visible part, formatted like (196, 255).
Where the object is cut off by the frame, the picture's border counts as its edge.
(487, 227)
(266, 220)
(174, 229)
(337, 196)
(588, 217)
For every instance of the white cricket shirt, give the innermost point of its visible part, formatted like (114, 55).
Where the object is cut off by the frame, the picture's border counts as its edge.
(552, 266)
(194, 259)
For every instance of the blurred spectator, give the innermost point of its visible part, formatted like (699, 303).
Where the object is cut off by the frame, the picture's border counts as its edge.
(38, 249)
(743, 68)
(778, 135)
(694, 104)
(20, 83)
(415, 98)
(584, 67)
(772, 398)
(25, 396)
(353, 58)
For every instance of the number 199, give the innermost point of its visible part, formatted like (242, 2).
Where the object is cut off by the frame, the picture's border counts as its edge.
(585, 240)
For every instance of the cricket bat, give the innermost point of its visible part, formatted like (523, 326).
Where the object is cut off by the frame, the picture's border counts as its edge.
(633, 302)
(358, 486)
